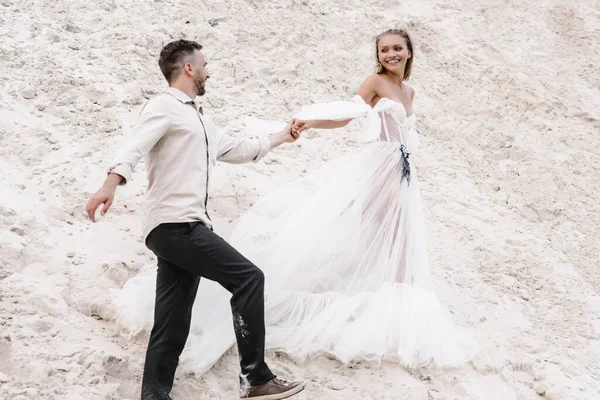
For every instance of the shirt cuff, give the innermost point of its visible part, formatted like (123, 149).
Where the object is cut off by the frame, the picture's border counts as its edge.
(265, 147)
(122, 170)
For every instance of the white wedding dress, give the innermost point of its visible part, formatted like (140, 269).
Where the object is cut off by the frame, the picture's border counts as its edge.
(345, 258)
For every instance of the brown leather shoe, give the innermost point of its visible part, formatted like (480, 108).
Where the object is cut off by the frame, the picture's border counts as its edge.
(275, 389)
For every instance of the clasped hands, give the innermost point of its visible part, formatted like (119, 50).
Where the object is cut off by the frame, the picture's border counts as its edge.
(299, 126)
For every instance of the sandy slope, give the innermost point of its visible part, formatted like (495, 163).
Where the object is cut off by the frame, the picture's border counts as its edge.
(508, 98)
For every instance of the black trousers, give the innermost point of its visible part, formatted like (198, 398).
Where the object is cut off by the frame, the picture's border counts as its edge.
(186, 252)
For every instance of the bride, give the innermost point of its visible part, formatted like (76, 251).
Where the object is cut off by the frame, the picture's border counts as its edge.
(343, 249)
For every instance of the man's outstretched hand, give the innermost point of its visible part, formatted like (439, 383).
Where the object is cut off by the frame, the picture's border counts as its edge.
(285, 136)
(288, 132)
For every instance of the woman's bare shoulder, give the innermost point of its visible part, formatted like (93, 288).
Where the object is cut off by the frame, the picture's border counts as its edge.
(370, 87)
(410, 90)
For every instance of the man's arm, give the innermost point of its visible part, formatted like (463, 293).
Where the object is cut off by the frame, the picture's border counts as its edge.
(154, 123)
(243, 150)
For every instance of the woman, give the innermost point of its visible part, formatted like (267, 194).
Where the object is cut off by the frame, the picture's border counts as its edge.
(343, 249)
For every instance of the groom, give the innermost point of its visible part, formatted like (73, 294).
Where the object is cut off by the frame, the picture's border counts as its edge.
(181, 146)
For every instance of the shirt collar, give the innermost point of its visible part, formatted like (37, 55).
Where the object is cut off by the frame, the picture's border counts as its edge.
(184, 98)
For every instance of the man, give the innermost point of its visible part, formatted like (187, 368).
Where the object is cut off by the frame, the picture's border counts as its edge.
(181, 146)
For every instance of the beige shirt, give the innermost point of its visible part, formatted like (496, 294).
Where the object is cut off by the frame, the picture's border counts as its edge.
(180, 147)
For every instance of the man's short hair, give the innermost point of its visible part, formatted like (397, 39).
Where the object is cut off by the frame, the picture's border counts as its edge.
(174, 55)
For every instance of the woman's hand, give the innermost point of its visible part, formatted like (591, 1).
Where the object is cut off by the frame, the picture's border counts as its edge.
(300, 126)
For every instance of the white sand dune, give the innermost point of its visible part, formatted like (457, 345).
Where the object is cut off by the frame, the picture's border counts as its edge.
(508, 99)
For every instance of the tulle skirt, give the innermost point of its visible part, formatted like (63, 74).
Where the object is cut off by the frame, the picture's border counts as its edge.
(344, 254)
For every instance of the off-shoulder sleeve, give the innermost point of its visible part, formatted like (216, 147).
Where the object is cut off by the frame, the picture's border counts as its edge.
(334, 111)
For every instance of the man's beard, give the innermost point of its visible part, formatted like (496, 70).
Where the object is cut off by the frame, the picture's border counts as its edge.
(200, 89)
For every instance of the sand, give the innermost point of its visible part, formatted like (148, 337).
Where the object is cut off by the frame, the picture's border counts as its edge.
(508, 103)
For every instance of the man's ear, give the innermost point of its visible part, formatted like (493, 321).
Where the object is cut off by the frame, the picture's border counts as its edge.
(187, 67)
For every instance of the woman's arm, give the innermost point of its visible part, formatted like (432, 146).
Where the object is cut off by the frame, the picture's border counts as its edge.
(367, 91)
(322, 124)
